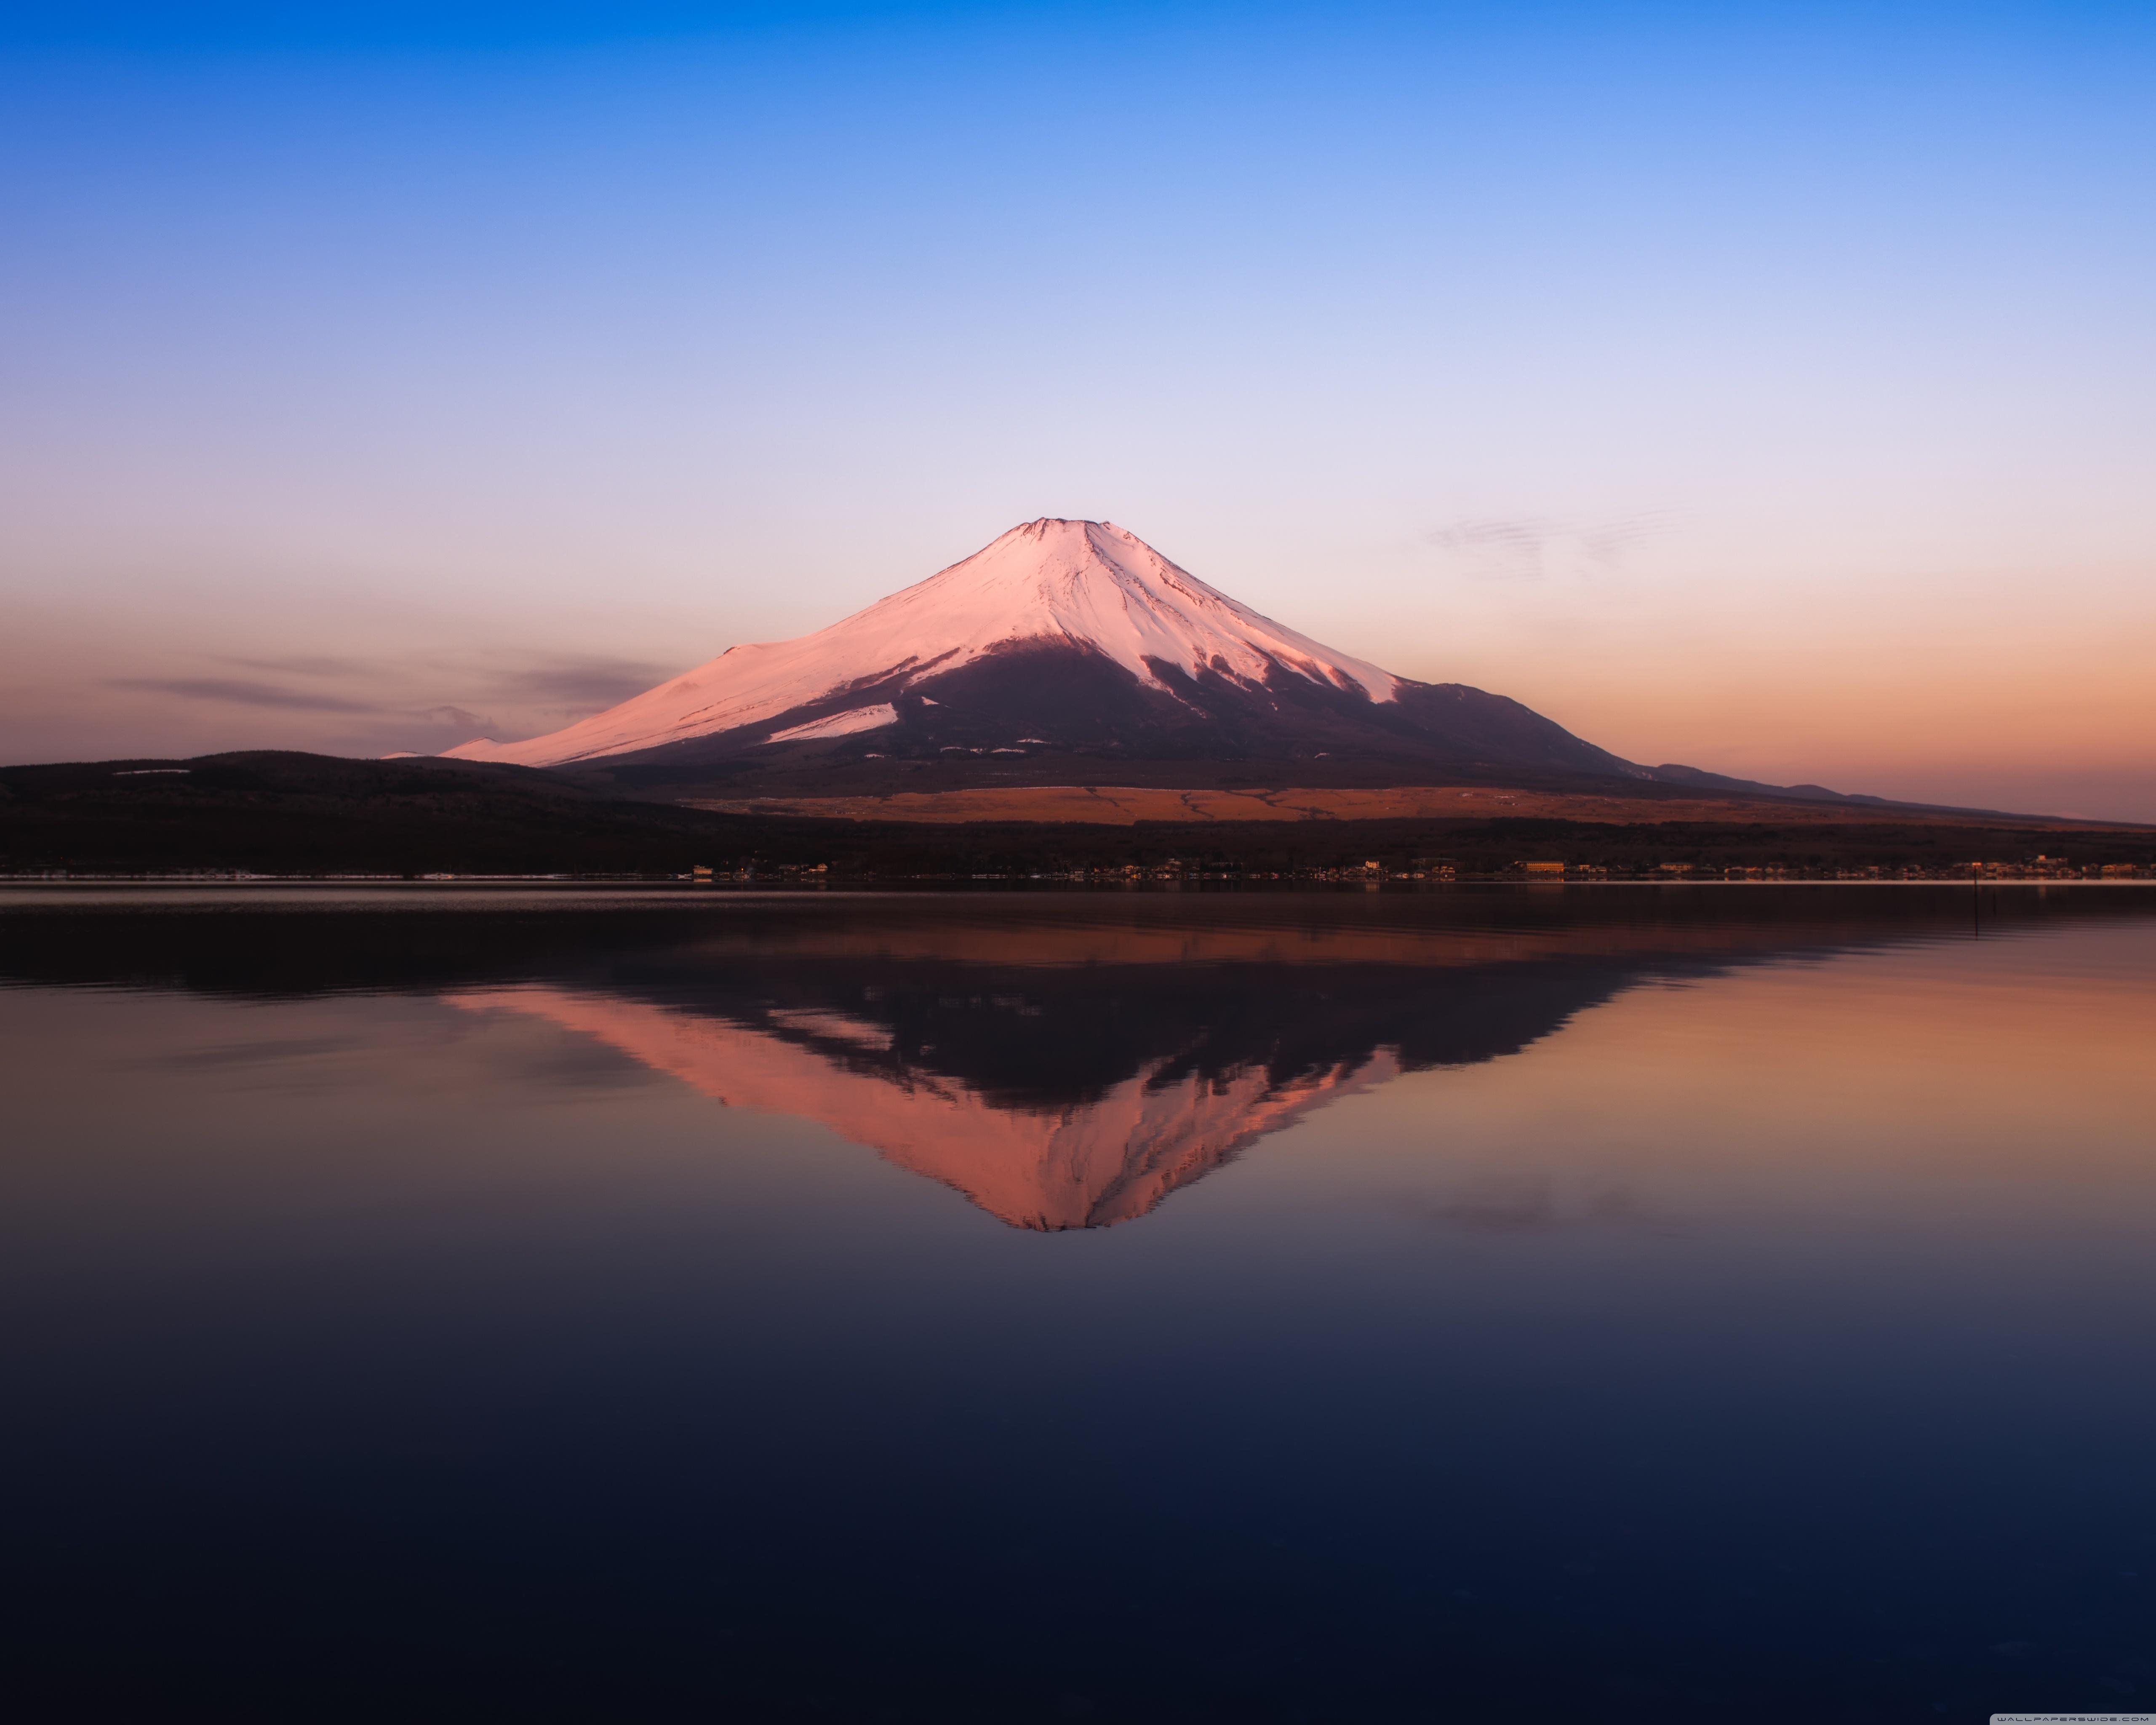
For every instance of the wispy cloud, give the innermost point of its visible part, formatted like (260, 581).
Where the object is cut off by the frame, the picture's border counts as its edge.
(1526, 547)
(242, 693)
(400, 699)
(587, 683)
(470, 723)
(303, 665)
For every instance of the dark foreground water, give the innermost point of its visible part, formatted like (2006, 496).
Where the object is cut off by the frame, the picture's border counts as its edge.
(1553, 1304)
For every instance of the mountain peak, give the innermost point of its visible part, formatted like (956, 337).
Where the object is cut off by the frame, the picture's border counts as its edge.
(1090, 586)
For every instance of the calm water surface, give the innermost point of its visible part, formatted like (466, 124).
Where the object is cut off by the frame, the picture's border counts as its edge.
(1539, 1304)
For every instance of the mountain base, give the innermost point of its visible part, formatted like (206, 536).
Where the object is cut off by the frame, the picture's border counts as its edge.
(1128, 805)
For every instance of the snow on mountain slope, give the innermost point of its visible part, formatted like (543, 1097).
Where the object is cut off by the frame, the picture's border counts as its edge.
(846, 724)
(1087, 583)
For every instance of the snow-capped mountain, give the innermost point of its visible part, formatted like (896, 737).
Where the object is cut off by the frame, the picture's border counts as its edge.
(1061, 635)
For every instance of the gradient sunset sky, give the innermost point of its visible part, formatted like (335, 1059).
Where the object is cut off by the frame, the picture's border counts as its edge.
(1769, 389)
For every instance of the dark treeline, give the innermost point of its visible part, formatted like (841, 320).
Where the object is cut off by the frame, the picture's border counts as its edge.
(290, 813)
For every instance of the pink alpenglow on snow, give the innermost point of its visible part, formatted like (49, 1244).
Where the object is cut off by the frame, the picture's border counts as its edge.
(1109, 1160)
(1089, 585)
(845, 724)
(1078, 646)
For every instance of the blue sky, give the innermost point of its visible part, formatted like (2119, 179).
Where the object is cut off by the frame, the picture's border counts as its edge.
(1764, 388)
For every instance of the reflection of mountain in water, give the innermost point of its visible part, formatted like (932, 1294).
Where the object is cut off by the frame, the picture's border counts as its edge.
(1073, 1072)
(1068, 1075)
(1067, 1062)
(1104, 1158)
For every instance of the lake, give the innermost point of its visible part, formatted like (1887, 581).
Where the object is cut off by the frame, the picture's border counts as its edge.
(1689, 1302)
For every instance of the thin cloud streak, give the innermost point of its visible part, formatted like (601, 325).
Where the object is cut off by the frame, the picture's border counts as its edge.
(587, 683)
(302, 665)
(243, 694)
(462, 718)
(584, 682)
(1527, 547)
(400, 699)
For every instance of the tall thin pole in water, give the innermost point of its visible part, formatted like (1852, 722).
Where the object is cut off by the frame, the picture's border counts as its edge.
(1976, 901)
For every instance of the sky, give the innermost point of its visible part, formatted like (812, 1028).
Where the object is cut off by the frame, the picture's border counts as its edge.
(1768, 389)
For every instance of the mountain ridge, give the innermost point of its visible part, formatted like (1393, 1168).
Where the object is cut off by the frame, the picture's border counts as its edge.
(1070, 651)
(1060, 638)
(1051, 582)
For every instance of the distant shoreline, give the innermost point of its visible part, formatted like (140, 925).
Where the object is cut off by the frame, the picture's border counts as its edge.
(781, 883)
(294, 816)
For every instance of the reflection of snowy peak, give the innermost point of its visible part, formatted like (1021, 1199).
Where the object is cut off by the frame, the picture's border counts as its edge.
(1083, 585)
(1108, 1159)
